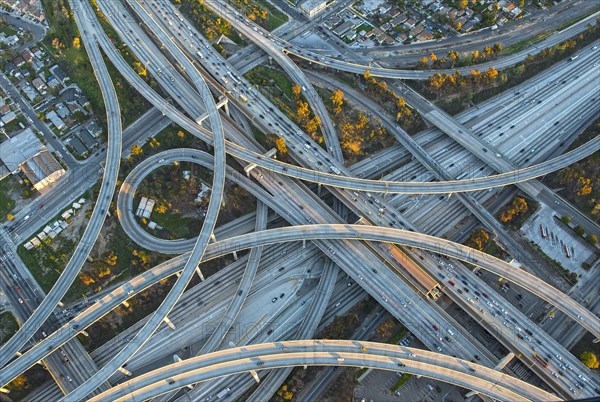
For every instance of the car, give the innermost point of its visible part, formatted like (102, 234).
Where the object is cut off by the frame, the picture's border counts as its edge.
(451, 283)
(435, 327)
(362, 349)
(349, 284)
(20, 300)
(476, 356)
(281, 295)
(447, 338)
(338, 304)
(269, 332)
(273, 300)
(459, 291)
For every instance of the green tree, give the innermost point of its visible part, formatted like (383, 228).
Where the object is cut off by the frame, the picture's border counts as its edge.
(592, 239)
(579, 230)
(566, 219)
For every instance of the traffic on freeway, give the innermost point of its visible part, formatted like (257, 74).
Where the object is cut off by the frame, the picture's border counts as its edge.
(325, 235)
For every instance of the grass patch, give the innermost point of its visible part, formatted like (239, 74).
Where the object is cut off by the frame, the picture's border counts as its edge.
(14, 125)
(254, 9)
(6, 202)
(399, 336)
(181, 227)
(8, 326)
(519, 46)
(7, 30)
(401, 381)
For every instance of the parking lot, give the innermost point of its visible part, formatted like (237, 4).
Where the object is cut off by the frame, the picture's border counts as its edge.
(557, 240)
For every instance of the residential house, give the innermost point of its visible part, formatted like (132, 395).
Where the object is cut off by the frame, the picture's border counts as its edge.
(55, 120)
(29, 91)
(410, 23)
(39, 85)
(19, 61)
(424, 36)
(27, 56)
(94, 129)
(468, 26)
(62, 110)
(59, 74)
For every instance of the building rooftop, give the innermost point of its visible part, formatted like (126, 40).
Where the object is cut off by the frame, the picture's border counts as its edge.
(42, 169)
(19, 148)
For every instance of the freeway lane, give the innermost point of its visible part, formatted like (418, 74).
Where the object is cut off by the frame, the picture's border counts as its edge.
(201, 242)
(125, 210)
(311, 215)
(321, 177)
(326, 352)
(113, 159)
(299, 233)
(251, 31)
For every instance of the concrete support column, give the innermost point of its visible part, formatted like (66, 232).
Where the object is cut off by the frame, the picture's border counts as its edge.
(200, 274)
(169, 323)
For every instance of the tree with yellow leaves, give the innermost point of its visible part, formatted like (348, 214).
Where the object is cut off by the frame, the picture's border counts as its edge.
(76, 42)
(296, 91)
(136, 150)
(337, 99)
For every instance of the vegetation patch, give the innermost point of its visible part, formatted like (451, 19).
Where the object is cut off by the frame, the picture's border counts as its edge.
(401, 381)
(516, 213)
(261, 12)
(7, 203)
(579, 182)
(8, 326)
(25, 383)
(455, 92)
(210, 25)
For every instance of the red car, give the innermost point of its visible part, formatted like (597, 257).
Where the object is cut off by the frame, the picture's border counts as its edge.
(435, 327)
(451, 283)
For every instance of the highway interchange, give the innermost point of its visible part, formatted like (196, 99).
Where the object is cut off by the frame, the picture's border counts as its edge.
(294, 203)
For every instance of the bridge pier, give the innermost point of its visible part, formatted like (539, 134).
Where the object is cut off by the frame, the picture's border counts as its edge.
(125, 371)
(125, 304)
(501, 364)
(235, 256)
(200, 273)
(248, 168)
(255, 376)
(169, 323)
